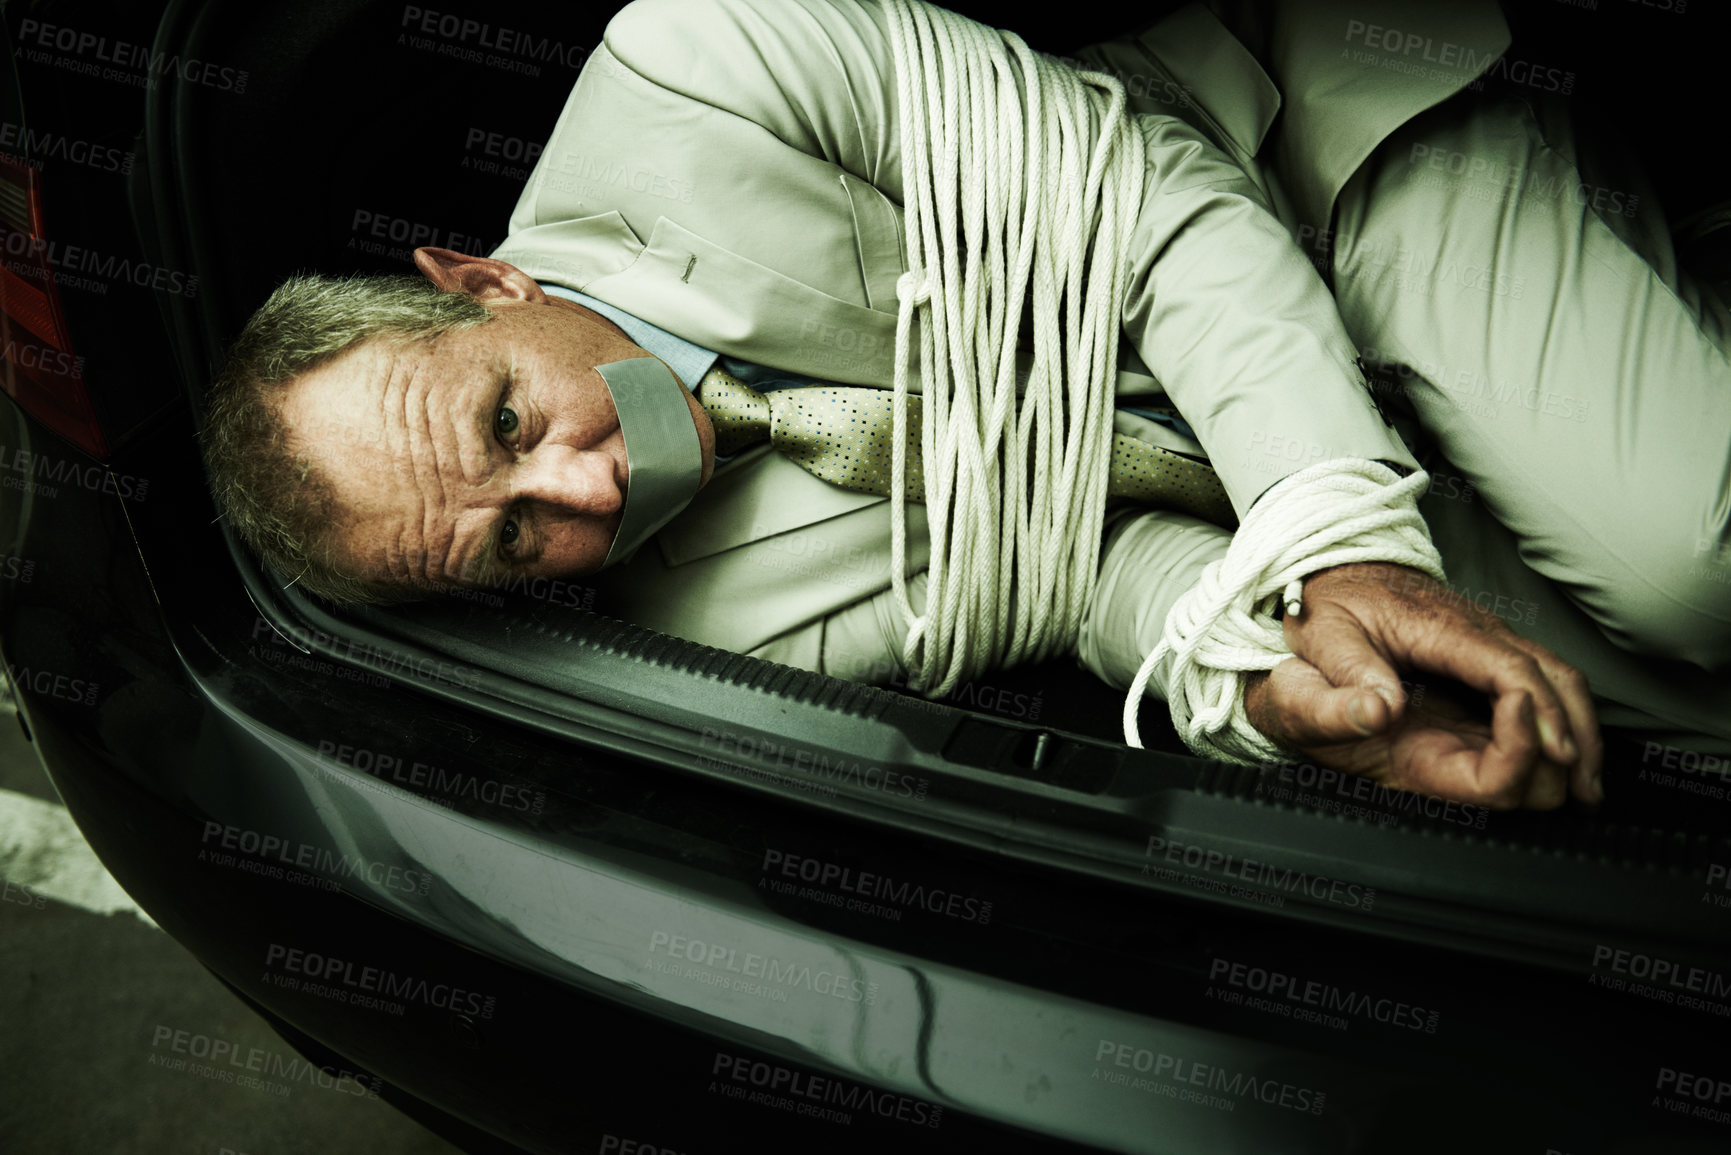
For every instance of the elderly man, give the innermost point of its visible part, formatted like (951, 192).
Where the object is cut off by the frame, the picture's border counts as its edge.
(725, 189)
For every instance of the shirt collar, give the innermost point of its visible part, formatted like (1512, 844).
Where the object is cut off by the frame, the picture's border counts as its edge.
(687, 360)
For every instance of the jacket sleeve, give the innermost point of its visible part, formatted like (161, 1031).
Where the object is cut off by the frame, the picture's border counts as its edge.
(1150, 559)
(1222, 307)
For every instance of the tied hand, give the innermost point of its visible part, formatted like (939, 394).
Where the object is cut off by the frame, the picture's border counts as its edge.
(1339, 702)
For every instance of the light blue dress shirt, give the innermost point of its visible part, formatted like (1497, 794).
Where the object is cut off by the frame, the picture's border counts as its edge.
(687, 359)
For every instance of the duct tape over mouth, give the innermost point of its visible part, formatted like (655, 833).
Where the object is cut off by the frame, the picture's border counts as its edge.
(662, 453)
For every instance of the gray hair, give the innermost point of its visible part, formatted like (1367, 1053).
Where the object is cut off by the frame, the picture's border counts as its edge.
(277, 500)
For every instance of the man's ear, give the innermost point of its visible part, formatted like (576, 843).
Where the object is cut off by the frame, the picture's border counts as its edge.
(483, 278)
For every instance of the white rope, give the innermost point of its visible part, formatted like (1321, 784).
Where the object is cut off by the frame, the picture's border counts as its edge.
(1015, 170)
(1019, 171)
(1334, 513)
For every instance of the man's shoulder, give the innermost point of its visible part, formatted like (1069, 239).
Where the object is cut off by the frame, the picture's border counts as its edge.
(1350, 72)
(647, 31)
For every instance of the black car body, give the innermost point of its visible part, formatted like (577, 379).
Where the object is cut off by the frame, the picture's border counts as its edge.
(549, 881)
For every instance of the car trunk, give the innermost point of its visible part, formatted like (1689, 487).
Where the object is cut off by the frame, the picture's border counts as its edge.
(307, 176)
(1027, 782)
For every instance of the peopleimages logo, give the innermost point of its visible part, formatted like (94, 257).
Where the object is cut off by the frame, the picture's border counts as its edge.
(267, 851)
(1718, 875)
(415, 234)
(1663, 973)
(866, 884)
(1688, 761)
(376, 981)
(1422, 271)
(451, 784)
(30, 355)
(1468, 389)
(979, 696)
(1696, 1095)
(619, 1145)
(134, 64)
(480, 42)
(1487, 179)
(363, 654)
(818, 1096)
(501, 145)
(1264, 877)
(68, 261)
(1310, 1000)
(748, 966)
(816, 765)
(37, 468)
(1166, 1073)
(1332, 789)
(581, 174)
(21, 895)
(228, 1062)
(1702, 774)
(1418, 55)
(31, 147)
(49, 684)
(1661, 980)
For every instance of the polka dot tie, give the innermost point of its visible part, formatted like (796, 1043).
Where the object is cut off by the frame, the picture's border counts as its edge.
(842, 433)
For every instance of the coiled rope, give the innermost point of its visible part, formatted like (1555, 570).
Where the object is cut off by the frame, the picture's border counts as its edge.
(1334, 513)
(1017, 172)
(993, 139)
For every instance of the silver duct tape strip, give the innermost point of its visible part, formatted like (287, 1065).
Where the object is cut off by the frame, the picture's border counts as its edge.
(662, 452)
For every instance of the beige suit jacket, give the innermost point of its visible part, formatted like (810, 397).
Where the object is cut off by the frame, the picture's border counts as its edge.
(730, 170)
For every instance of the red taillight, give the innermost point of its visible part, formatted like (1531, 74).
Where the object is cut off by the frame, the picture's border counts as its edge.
(40, 369)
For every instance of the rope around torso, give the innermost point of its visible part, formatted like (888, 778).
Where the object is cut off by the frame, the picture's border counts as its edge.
(1017, 172)
(1019, 175)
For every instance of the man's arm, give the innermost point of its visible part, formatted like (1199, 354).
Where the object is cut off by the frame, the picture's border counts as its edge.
(1433, 743)
(1222, 307)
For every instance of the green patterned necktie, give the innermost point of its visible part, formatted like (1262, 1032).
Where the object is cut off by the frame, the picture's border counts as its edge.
(843, 434)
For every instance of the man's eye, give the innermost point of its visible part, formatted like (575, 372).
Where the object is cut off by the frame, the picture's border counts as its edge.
(508, 533)
(505, 424)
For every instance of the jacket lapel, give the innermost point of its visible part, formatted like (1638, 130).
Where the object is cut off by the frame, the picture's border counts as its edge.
(758, 494)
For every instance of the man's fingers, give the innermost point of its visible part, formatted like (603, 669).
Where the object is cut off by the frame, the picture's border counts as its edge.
(1336, 644)
(1497, 662)
(1502, 770)
(1547, 788)
(1577, 698)
(1357, 627)
(1466, 775)
(1513, 755)
(1437, 748)
(1308, 711)
(1417, 624)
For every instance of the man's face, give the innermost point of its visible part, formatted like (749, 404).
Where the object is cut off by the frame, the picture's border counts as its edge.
(484, 454)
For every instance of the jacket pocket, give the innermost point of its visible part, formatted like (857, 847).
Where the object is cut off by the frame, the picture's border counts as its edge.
(879, 234)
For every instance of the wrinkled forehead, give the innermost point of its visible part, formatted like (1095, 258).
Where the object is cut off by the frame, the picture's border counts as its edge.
(343, 399)
(354, 421)
(353, 425)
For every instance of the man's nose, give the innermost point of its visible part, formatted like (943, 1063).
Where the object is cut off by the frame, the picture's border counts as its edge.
(582, 481)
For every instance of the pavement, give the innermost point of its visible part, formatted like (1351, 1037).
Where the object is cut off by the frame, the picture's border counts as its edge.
(87, 981)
